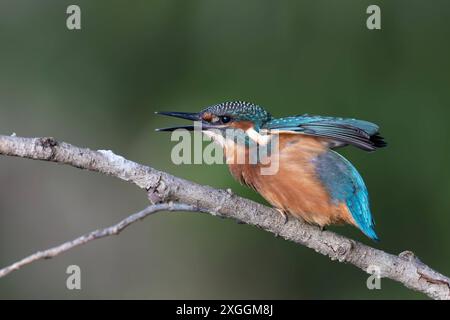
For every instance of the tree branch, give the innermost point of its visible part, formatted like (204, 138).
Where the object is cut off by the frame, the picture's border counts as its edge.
(163, 188)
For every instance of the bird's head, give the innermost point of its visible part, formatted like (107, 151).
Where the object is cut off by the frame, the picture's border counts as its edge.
(226, 115)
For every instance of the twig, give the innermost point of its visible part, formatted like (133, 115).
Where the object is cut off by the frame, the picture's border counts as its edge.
(163, 187)
(96, 234)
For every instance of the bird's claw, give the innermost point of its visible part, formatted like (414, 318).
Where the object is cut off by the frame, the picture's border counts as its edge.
(283, 214)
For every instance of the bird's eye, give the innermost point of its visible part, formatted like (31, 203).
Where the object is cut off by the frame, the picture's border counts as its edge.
(225, 119)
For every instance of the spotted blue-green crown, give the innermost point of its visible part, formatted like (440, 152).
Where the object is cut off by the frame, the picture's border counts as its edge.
(240, 110)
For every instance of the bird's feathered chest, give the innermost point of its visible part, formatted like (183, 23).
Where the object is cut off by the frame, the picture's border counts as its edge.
(292, 153)
(296, 186)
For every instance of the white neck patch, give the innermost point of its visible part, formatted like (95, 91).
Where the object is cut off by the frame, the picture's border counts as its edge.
(257, 137)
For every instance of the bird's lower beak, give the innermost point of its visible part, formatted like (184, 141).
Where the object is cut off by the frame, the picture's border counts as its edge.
(188, 116)
(183, 115)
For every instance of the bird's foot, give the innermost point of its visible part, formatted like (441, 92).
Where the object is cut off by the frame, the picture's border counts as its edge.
(283, 214)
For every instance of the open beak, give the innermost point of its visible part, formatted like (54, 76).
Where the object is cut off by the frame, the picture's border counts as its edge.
(183, 115)
(188, 116)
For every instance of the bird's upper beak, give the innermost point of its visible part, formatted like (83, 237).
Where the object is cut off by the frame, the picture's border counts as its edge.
(188, 116)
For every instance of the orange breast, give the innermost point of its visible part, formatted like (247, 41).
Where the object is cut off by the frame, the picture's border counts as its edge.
(294, 188)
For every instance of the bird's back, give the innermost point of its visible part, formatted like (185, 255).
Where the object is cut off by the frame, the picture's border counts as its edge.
(338, 132)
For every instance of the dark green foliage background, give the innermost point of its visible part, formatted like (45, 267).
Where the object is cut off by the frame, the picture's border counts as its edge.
(99, 87)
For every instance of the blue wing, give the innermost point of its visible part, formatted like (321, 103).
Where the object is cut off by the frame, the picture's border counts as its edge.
(345, 184)
(341, 131)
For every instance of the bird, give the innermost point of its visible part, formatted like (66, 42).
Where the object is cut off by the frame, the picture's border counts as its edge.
(313, 182)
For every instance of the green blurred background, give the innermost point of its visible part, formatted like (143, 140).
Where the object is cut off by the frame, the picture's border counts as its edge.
(99, 88)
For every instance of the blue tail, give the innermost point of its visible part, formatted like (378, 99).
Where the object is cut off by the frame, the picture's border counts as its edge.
(345, 184)
(358, 203)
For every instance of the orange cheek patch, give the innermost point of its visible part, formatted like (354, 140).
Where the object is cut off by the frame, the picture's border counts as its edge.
(207, 116)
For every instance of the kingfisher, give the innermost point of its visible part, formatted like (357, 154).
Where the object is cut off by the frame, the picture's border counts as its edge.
(312, 182)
